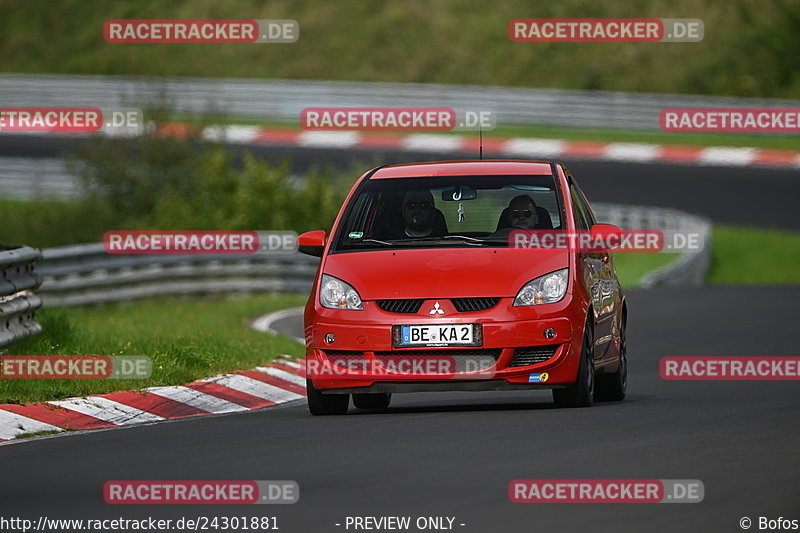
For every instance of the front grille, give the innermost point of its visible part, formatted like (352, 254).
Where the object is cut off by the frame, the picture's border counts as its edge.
(480, 352)
(471, 305)
(342, 353)
(343, 356)
(407, 307)
(531, 355)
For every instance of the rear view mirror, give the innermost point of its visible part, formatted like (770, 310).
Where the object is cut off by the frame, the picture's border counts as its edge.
(311, 243)
(458, 194)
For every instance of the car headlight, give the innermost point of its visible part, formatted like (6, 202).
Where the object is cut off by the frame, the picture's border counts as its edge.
(336, 294)
(546, 289)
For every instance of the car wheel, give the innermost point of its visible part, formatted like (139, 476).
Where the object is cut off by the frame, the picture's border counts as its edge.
(380, 400)
(612, 387)
(580, 393)
(326, 404)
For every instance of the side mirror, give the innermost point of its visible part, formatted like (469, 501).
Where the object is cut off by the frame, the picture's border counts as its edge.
(311, 243)
(608, 233)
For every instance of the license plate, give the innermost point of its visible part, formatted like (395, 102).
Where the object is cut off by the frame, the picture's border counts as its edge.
(438, 335)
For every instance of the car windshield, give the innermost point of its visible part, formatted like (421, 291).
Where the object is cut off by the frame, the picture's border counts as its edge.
(451, 211)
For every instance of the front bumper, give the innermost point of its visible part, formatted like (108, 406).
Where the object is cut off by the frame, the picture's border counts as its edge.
(514, 354)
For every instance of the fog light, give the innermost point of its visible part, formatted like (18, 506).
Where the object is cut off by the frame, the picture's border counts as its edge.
(550, 333)
(330, 338)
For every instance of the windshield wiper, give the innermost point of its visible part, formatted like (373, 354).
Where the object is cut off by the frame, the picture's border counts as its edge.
(473, 241)
(463, 237)
(442, 238)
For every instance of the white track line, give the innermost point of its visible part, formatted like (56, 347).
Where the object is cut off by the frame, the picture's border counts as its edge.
(194, 398)
(107, 410)
(12, 424)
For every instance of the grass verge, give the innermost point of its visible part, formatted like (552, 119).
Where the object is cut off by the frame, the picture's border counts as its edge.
(748, 256)
(41, 433)
(632, 267)
(186, 341)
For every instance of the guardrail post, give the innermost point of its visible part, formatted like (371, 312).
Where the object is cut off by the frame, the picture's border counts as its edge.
(18, 303)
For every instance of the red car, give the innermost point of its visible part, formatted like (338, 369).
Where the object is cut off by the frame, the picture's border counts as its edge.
(420, 289)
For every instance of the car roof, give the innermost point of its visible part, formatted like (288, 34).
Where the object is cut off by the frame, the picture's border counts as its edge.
(465, 168)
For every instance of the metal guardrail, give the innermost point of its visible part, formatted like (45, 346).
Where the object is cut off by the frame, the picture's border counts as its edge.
(24, 178)
(18, 303)
(86, 274)
(284, 99)
(690, 267)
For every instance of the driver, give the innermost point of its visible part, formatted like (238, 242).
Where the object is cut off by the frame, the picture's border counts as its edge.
(522, 212)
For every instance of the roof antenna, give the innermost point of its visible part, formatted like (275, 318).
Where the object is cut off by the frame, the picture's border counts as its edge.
(480, 136)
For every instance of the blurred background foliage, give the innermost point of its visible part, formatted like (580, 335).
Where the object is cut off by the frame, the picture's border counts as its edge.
(160, 182)
(751, 47)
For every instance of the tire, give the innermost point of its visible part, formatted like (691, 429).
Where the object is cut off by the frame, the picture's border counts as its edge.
(380, 400)
(580, 393)
(326, 404)
(612, 387)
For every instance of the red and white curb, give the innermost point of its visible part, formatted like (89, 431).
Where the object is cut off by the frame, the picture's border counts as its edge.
(511, 147)
(520, 147)
(273, 384)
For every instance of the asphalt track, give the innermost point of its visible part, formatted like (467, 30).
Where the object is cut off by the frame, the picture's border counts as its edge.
(453, 454)
(746, 196)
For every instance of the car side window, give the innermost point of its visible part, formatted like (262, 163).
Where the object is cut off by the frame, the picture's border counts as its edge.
(357, 221)
(585, 207)
(582, 220)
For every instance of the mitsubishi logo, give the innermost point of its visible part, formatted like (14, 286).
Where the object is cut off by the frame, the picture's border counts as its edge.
(436, 309)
